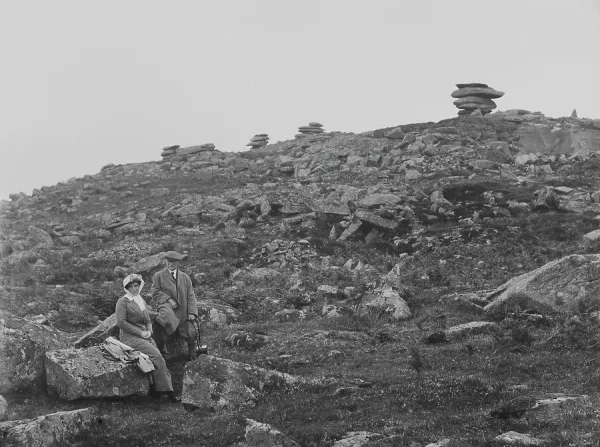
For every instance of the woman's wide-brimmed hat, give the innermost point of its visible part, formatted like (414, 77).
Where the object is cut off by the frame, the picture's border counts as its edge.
(132, 279)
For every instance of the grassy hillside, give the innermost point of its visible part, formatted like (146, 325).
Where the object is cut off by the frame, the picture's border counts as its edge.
(472, 219)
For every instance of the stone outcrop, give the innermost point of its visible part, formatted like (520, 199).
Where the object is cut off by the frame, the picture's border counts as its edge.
(217, 313)
(40, 236)
(558, 138)
(258, 141)
(51, 430)
(107, 328)
(558, 286)
(313, 128)
(85, 373)
(387, 301)
(281, 252)
(264, 435)
(147, 264)
(475, 97)
(216, 384)
(172, 152)
(22, 347)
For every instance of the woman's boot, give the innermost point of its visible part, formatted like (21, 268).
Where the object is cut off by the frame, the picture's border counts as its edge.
(153, 393)
(192, 352)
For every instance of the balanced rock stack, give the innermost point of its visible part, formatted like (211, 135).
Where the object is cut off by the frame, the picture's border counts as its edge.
(169, 151)
(258, 141)
(475, 98)
(313, 128)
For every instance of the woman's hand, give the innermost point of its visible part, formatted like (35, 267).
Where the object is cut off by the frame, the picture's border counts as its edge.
(146, 335)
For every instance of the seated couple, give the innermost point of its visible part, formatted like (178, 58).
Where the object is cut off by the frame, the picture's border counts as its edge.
(174, 299)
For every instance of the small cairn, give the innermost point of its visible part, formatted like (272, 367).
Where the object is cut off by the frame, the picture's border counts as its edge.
(258, 141)
(475, 98)
(313, 128)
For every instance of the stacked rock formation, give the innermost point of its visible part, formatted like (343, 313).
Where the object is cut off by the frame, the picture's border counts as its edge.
(313, 128)
(258, 141)
(475, 98)
(170, 152)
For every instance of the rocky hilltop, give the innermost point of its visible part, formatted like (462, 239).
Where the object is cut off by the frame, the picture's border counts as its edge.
(306, 252)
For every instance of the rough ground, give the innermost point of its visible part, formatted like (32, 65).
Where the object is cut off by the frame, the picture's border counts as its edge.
(346, 259)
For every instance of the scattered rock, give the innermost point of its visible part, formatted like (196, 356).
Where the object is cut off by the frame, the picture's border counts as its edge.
(358, 439)
(592, 236)
(263, 435)
(22, 347)
(389, 301)
(247, 340)
(556, 406)
(217, 313)
(51, 430)
(40, 236)
(470, 329)
(107, 328)
(328, 290)
(216, 384)
(514, 438)
(558, 286)
(289, 315)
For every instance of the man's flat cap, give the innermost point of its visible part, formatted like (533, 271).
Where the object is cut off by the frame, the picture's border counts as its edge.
(173, 255)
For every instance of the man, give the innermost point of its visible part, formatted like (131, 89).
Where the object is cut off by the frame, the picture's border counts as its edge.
(173, 296)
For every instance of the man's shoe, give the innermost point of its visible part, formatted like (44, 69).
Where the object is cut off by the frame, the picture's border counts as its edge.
(172, 398)
(162, 348)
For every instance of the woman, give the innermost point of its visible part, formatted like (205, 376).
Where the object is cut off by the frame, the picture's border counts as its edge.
(135, 327)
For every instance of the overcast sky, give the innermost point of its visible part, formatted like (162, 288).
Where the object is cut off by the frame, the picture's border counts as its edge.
(90, 83)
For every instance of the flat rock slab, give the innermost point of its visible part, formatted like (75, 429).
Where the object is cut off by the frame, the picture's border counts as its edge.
(378, 221)
(105, 329)
(558, 286)
(264, 435)
(22, 347)
(469, 329)
(373, 200)
(472, 84)
(486, 92)
(520, 439)
(555, 407)
(51, 430)
(216, 384)
(358, 439)
(85, 373)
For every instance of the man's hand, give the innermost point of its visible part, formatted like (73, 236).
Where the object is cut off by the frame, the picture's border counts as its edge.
(191, 317)
(146, 334)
